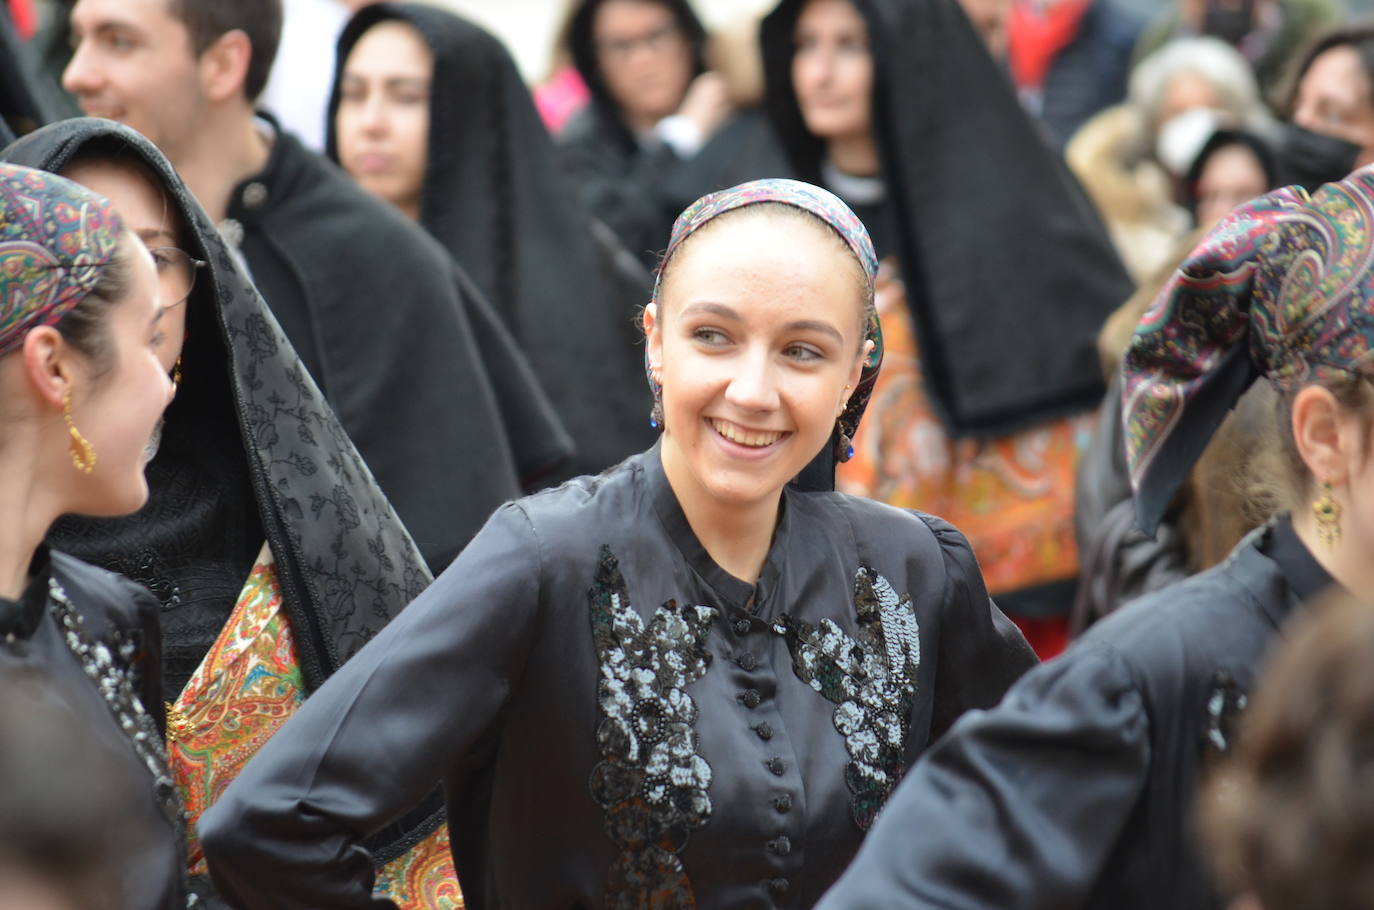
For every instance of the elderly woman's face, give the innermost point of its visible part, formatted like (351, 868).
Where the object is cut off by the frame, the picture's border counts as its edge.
(1336, 98)
(832, 70)
(382, 124)
(758, 342)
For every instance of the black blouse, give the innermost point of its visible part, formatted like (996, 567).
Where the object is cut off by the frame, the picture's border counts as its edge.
(85, 641)
(1078, 790)
(614, 716)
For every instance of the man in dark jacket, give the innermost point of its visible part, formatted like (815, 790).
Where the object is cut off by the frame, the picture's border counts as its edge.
(324, 254)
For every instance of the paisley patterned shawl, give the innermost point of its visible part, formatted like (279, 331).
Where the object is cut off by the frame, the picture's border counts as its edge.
(1281, 288)
(828, 208)
(55, 238)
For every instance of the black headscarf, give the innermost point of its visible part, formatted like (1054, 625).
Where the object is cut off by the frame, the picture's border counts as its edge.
(582, 45)
(250, 452)
(1008, 270)
(1221, 139)
(495, 198)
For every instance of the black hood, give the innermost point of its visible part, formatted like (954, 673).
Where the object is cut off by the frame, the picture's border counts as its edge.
(248, 423)
(495, 197)
(1008, 269)
(583, 49)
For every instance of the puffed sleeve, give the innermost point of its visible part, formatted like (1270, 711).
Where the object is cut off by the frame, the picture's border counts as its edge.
(1030, 797)
(403, 714)
(981, 652)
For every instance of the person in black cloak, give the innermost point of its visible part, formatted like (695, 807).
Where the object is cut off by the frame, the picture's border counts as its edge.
(1078, 789)
(270, 548)
(368, 300)
(486, 185)
(657, 116)
(998, 274)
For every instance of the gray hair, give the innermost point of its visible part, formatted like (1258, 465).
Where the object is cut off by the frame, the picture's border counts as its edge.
(1220, 64)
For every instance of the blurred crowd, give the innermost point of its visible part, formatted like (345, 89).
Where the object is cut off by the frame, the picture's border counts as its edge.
(414, 283)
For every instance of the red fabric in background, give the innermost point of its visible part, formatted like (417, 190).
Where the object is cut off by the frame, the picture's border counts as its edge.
(1048, 635)
(25, 17)
(1036, 33)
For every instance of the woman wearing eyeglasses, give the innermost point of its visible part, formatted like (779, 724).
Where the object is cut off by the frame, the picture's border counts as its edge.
(271, 551)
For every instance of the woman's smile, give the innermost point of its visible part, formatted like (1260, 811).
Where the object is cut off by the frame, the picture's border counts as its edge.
(745, 437)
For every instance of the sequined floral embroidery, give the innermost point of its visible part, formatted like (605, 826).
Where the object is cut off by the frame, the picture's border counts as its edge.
(871, 680)
(651, 781)
(112, 680)
(1225, 703)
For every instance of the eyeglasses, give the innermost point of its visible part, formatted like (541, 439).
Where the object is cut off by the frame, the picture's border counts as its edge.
(176, 273)
(655, 41)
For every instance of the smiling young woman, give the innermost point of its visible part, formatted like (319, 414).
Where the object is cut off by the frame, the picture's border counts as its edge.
(681, 682)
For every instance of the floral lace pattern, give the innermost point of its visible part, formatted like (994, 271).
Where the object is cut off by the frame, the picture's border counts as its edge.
(871, 680)
(651, 781)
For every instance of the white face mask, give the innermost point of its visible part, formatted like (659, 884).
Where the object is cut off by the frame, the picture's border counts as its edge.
(1182, 136)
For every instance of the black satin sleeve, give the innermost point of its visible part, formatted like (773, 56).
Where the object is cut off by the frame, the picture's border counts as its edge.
(1030, 798)
(981, 652)
(411, 709)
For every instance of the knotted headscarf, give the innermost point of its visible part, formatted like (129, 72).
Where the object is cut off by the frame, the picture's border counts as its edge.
(828, 208)
(55, 239)
(1281, 288)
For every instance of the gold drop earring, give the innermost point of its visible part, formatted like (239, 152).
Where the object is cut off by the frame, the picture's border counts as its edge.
(82, 452)
(1328, 514)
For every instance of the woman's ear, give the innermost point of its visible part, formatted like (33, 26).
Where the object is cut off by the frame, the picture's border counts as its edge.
(45, 354)
(653, 336)
(858, 368)
(1322, 437)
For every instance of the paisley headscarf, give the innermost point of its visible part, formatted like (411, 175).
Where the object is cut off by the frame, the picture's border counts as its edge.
(1281, 288)
(828, 208)
(55, 239)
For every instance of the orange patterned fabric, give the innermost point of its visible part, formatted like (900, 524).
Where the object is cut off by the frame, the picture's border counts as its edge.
(249, 683)
(1012, 497)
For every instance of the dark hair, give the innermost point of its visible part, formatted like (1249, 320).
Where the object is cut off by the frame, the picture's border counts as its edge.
(1288, 816)
(86, 326)
(1358, 36)
(1224, 139)
(260, 20)
(63, 820)
(582, 42)
(779, 210)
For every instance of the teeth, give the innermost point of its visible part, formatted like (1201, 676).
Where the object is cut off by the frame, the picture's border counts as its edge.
(745, 437)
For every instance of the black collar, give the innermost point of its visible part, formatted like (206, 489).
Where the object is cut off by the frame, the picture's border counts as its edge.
(1305, 576)
(19, 618)
(734, 591)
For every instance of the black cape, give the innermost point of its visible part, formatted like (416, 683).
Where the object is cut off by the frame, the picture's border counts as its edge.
(250, 452)
(619, 722)
(373, 308)
(495, 198)
(1008, 269)
(1078, 790)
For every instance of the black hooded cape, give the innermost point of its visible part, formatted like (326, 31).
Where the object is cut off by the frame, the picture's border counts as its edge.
(495, 198)
(250, 452)
(1008, 269)
(447, 415)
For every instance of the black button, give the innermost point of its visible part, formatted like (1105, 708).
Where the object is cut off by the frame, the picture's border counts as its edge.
(783, 803)
(777, 766)
(782, 846)
(750, 698)
(747, 661)
(778, 886)
(764, 730)
(742, 626)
